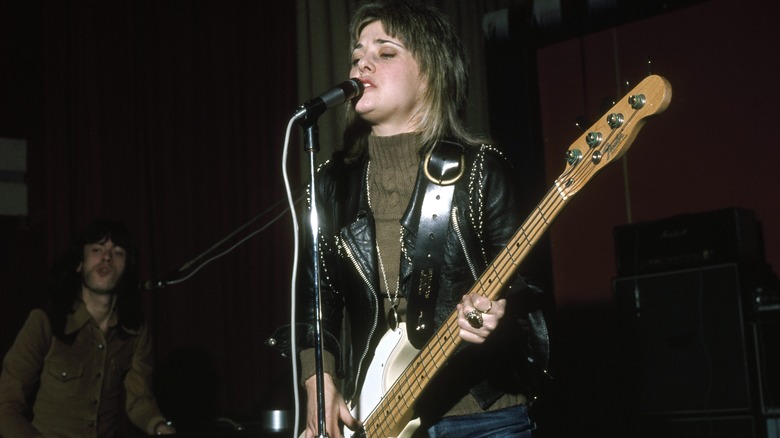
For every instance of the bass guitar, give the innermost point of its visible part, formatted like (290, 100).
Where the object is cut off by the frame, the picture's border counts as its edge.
(399, 372)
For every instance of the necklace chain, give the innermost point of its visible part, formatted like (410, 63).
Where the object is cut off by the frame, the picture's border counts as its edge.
(394, 298)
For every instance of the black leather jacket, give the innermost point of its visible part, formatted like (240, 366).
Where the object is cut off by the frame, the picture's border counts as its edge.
(484, 216)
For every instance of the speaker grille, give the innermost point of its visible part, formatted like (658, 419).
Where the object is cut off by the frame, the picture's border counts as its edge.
(684, 335)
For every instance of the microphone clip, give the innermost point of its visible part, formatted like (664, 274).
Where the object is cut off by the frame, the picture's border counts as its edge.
(308, 113)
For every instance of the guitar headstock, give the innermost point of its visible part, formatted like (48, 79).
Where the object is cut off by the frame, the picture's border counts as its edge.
(610, 137)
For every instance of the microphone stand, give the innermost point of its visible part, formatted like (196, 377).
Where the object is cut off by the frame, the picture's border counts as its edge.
(307, 116)
(311, 145)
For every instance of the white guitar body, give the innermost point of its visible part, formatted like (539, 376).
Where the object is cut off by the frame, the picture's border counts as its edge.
(391, 358)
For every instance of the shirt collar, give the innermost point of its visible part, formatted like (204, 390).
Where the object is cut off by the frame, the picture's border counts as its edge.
(81, 317)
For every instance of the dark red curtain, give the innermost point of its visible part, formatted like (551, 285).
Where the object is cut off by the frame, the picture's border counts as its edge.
(170, 115)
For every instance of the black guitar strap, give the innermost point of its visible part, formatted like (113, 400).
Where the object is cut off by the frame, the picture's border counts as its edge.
(443, 167)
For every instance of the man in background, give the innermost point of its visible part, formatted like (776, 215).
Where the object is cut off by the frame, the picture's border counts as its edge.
(87, 353)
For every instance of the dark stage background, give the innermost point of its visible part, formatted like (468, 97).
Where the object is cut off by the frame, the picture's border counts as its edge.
(171, 117)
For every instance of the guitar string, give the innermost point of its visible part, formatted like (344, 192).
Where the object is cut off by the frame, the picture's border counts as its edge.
(500, 262)
(515, 241)
(577, 171)
(408, 394)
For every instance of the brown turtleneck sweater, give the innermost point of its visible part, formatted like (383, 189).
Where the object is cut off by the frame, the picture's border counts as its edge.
(391, 175)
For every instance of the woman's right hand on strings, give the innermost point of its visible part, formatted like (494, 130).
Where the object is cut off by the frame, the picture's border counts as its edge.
(335, 409)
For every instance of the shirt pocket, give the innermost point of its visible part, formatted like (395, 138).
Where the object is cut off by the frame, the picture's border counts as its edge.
(63, 379)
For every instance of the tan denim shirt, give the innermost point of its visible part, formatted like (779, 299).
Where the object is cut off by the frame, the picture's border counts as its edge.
(80, 385)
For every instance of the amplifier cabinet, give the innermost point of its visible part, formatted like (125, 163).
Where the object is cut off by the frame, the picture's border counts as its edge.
(688, 241)
(687, 343)
(766, 332)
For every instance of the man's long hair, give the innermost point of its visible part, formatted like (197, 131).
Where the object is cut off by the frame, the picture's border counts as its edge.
(64, 287)
(443, 64)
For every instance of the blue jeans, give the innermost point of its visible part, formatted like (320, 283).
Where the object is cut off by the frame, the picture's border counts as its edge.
(504, 423)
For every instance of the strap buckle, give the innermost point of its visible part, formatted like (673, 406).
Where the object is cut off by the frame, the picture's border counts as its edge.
(449, 163)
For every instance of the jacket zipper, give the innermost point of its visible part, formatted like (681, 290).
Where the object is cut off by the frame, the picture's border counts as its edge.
(359, 269)
(456, 226)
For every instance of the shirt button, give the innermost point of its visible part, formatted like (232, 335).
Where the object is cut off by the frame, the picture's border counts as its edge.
(64, 375)
(100, 346)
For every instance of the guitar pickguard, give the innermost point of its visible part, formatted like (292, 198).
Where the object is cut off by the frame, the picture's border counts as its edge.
(391, 358)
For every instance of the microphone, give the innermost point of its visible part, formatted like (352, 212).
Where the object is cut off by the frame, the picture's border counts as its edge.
(150, 285)
(347, 90)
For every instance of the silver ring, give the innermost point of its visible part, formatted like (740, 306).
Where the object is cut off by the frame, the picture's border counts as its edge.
(475, 319)
(488, 309)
